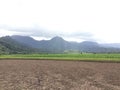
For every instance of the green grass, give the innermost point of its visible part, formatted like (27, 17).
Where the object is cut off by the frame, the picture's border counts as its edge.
(85, 56)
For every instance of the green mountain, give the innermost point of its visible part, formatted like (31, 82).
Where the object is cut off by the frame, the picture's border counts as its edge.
(26, 40)
(25, 44)
(55, 45)
(11, 46)
(59, 45)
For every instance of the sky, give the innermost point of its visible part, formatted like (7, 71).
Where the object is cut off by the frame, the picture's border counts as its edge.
(74, 20)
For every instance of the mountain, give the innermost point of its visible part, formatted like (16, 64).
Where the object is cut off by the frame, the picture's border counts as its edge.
(88, 46)
(55, 45)
(114, 45)
(3, 49)
(10, 46)
(59, 45)
(26, 40)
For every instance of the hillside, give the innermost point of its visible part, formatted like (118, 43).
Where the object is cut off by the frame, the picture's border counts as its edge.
(10, 46)
(114, 45)
(59, 45)
(25, 44)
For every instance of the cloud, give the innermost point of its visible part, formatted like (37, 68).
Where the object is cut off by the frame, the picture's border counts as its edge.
(41, 32)
(80, 19)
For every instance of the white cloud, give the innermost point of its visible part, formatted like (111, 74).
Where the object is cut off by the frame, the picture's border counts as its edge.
(4, 32)
(101, 18)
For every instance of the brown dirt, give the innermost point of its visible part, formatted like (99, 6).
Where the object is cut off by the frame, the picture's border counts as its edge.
(58, 75)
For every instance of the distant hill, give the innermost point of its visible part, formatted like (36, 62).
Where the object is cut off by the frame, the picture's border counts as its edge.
(55, 45)
(114, 45)
(59, 45)
(26, 40)
(10, 46)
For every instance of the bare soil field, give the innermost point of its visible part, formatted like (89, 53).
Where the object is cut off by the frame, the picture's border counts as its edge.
(58, 75)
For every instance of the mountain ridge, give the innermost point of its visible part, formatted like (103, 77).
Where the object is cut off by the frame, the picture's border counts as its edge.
(59, 45)
(25, 44)
(10, 46)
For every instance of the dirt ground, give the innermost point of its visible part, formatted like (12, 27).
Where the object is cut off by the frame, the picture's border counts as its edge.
(58, 75)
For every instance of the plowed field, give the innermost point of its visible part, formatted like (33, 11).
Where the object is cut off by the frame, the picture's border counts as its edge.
(58, 75)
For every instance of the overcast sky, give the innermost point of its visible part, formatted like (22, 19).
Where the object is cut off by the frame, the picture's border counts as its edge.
(93, 20)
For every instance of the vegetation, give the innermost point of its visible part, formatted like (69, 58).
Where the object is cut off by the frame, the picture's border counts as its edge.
(26, 45)
(10, 46)
(84, 56)
(59, 45)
